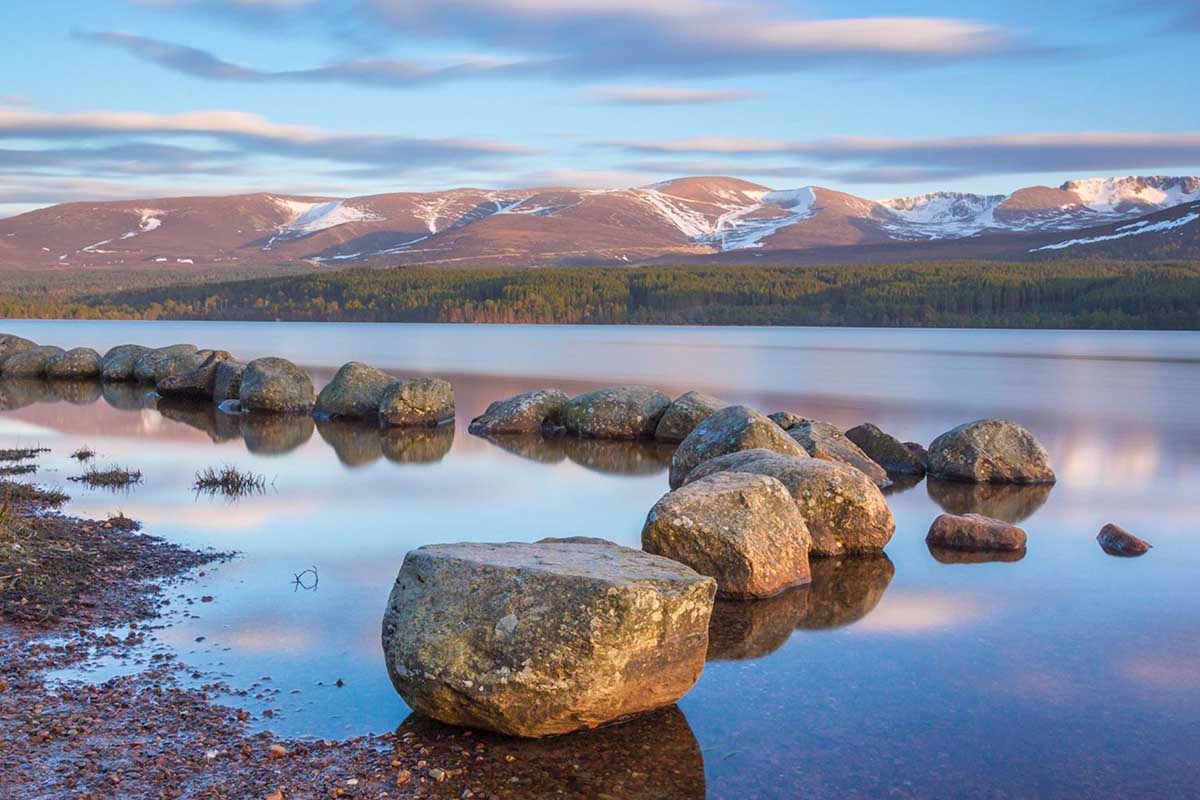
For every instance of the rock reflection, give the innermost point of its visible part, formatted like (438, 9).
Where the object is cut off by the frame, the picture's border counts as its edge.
(600, 455)
(356, 444)
(77, 393)
(947, 555)
(18, 393)
(1004, 501)
(127, 396)
(846, 589)
(275, 434)
(653, 756)
(534, 447)
(203, 417)
(416, 445)
(902, 483)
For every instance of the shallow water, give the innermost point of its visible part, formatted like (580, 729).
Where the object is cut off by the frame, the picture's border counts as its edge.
(1064, 674)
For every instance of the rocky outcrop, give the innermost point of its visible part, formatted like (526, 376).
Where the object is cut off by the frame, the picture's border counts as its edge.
(275, 386)
(990, 451)
(974, 532)
(10, 344)
(844, 510)
(1116, 541)
(162, 362)
(417, 403)
(117, 364)
(887, 451)
(354, 393)
(227, 381)
(786, 419)
(742, 529)
(79, 364)
(823, 440)
(540, 639)
(531, 412)
(729, 430)
(197, 383)
(618, 412)
(684, 414)
(30, 363)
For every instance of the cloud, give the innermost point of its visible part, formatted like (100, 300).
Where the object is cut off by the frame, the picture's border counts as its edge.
(670, 96)
(134, 158)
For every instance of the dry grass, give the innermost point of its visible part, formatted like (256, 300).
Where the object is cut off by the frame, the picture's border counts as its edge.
(230, 482)
(18, 469)
(22, 453)
(84, 453)
(12, 492)
(112, 477)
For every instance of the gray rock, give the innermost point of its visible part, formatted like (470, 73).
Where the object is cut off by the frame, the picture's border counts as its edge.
(531, 412)
(80, 363)
(919, 454)
(823, 440)
(227, 381)
(117, 364)
(974, 532)
(990, 451)
(785, 419)
(354, 393)
(29, 363)
(162, 362)
(417, 403)
(742, 529)
(887, 451)
(618, 412)
(275, 386)
(683, 415)
(195, 384)
(727, 431)
(1116, 541)
(10, 344)
(844, 510)
(540, 639)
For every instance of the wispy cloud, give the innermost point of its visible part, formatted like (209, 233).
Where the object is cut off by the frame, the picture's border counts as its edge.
(669, 96)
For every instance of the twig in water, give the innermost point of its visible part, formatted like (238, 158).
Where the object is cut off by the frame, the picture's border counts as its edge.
(300, 582)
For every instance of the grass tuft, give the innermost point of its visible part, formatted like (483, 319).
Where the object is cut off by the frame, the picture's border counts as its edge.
(109, 477)
(18, 469)
(22, 453)
(84, 453)
(229, 481)
(13, 492)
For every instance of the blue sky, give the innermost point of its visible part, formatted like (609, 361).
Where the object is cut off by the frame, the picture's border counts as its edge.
(130, 98)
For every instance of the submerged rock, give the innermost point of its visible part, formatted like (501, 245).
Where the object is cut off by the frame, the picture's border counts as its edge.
(742, 529)
(540, 639)
(887, 451)
(31, 362)
(275, 386)
(990, 451)
(684, 414)
(974, 532)
(618, 412)
(1117, 541)
(823, 440)
(730, 430)
(195, 384)
(79, 363)
(117, 364)
(844, 510)
(227, 381)
(531, 412)
(417, 403)
(354, 393)
(162, 362)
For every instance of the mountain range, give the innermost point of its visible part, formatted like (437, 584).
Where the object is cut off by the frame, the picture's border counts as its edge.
(688, 220)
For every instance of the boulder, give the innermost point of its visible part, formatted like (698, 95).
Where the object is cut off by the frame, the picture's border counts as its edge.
(919, 454)
(1117, 541)
(117, 364)
(417, 403)
(31, 362)
(844, 510)
(354, 393)
(195, 384)
(162, 362)
(540, 639)
(823, 440)
(531, 412)
(990, 451)
(618, 412)
(80, 363)
(683, 415)
(785, 419)
(275, 386)
(227, 381)
(974, 532)
(743, 530)
(10, 344)
(887, 451)
(729, 430)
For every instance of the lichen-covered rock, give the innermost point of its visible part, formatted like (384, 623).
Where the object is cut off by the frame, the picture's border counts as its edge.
(844, 510)
(684, 414)
(31, 362)
(227, 381)
(79, 363)
(540, 639)
(1116, 541)
(785, 419)
(117, 364)
(154, 365)
(197, 383)
(743, 530)
(275, 386)
(974, 532)
(531, 412)
(10, 344)
(730, 430)
(886, 450)
(990, 451)
(823, 440)
(417, 403)
(618, 412)
(354, 393)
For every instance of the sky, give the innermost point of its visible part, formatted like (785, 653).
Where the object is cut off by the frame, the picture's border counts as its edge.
(146, 98)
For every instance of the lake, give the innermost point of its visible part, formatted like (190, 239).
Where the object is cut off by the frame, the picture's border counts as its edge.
(1066, 673)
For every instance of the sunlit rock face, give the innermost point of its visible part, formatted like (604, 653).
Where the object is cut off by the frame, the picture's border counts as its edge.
(354, 392)
(823, 440)
(974, 532)
(684, 414)
(618, 412)
(730, 430)
(990, 451)
(275, 386)
(530, 412)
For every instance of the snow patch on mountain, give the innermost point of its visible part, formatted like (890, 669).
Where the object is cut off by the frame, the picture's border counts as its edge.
(941, 215)
(307, 218)
(1117, 194)
(737, 231)
(1132, 229)
(688, 221)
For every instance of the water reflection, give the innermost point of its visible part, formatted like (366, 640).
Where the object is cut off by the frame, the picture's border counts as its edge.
(354, 443)
(275, 434)
(16, 393)
(416, 445)
(203, 417)
(902, 483)
(1003, 501)
(844, 590)
(601, 455)
(127, 396)
(947, 555)
(78, 393)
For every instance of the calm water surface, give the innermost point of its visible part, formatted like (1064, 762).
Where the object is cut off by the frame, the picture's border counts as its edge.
(1068, 673)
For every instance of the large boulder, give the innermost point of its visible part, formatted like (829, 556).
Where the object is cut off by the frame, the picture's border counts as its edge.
(117, 364)
(417, 403)
(531, 412)
(844, 510)
(730, 430)
(742, 529)
(31, 362)
(683, 415)
(154, 365)
(354, 393)
(974, 532)
(823, 440)
(79, 363)
(195, 384)
(275, 386)
(887, 451)
(227, 381)
(541, 639)
(10, 344)
(618, 412)
(1116, 541)
(990, 451)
